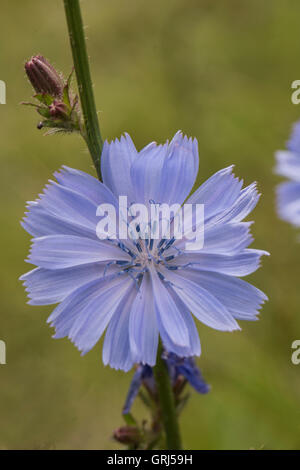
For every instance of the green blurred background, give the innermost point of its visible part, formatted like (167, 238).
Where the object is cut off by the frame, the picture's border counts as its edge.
(222, 73)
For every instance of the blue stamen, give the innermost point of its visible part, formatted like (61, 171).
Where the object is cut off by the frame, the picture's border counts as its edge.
(151, 244)
(170, 242)
(138, 247)
(162, 241)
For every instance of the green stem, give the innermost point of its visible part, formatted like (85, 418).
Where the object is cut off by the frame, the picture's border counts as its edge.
(92, 133)
(167, 404)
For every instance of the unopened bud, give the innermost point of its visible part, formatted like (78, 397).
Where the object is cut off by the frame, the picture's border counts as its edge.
(58, 110)
(128, 435)
(43, 77)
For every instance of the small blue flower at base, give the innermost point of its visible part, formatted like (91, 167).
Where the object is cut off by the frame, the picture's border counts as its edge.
(186, 366)
(136, 292)
(177, 366)
(288, 165)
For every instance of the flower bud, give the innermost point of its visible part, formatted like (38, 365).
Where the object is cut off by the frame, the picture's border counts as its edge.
(43, 77)
(58, 110)
(128, 435)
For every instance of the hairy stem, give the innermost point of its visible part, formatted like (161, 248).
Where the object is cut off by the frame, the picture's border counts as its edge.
(91, 131)
(167, 403)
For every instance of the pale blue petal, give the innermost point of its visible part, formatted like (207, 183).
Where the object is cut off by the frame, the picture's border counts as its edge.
(143, 328)
(201, 303)
(168, 314)
(146, 173)
(218, 193)
(180, 169)
(288, 164)
(65, 314)
(64, 251)
(86, 312)
(116, 347)
(134, 388)
(50, 286)
(169, 344)
(38, 222)
(288, 202)
(88, 328)
(240, 264)
(116, 160)
(85, 184)
(240, 298)
(240, 209)
(227, 239)
(68, 208)
(68, 205)
(165, 173)
(194, 348)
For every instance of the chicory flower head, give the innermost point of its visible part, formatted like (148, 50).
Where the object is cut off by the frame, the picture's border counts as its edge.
(288, 193)
(137, 290)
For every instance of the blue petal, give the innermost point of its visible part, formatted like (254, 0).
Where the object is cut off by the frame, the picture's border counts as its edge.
(240, 209)
(227, 239)
(201, 303)
(67, 204)
(48, 286)
(68, 208)
(116, 160)
(188, 368)
(143, 330)
(116, 347)
(193, 345)
(168, 315)
(195, 348)
(180, 169)
(240, 298)
(218, 193)
(146, 173)
(86, 312)
(96, 315)
(165, 173)
(143, 374)
(288, 201)
(288, 164)
(135, 385)
(85, 184)
(39, 223)
(64, 251)
(241, 264)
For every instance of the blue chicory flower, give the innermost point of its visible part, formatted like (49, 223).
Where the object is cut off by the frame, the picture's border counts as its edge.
(138, 291)
(288, 193)
(178, 366)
